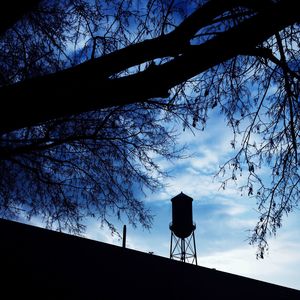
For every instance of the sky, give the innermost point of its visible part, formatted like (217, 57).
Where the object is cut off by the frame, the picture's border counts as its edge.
(223, 217)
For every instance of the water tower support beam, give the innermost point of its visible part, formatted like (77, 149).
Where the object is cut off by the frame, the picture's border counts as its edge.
(183, 249)
(195, 252)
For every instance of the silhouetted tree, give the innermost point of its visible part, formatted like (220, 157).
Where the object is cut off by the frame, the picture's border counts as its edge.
(85, 84)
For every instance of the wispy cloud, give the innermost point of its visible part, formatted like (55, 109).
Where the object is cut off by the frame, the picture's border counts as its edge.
(280, 267)
(101, 233)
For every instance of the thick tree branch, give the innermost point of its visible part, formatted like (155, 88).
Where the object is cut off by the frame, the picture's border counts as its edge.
(289, 95)
(88, 86)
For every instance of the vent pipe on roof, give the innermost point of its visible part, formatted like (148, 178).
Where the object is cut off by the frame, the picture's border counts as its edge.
(124, 237)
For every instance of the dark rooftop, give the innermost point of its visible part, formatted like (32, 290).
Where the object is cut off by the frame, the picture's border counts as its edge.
(44, 264)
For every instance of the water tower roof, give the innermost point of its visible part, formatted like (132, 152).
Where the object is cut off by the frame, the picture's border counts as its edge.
(181, 197)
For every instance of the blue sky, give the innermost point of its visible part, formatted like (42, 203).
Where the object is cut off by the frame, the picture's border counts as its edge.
(223, 218)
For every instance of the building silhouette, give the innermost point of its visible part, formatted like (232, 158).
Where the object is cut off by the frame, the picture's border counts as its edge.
(41, 264)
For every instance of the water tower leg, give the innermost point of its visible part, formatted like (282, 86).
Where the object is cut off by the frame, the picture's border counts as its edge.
(175, 247)
(171, 246)
(195, 252)
(183, 250)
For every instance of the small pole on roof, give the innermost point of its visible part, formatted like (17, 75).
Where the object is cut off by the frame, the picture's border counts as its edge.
(124, 236)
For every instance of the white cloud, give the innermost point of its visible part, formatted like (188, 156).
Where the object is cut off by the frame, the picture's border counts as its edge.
(233, 209)
(241, 224)
(195, 175)
(201, 187)
(279, 267)
(206, 161)
(102, 234)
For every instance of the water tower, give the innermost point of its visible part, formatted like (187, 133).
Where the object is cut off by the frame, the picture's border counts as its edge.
(183, 245)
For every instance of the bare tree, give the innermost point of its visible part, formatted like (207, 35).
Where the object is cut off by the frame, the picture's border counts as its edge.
(166, 60)
(92, 165)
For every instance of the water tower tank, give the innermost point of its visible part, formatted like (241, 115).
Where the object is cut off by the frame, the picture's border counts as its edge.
(182, 216)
